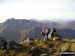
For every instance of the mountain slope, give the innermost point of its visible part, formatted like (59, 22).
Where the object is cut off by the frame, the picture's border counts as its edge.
(69, 25)
(20, 29)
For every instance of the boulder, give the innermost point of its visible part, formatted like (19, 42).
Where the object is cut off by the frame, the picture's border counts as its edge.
(36, 48)
(44, 54)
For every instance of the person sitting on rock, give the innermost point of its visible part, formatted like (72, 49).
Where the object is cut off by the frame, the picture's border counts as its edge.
(53, 32)
(45, 32)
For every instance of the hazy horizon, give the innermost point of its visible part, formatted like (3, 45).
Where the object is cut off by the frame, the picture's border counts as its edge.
(43, 20)
(38, 9)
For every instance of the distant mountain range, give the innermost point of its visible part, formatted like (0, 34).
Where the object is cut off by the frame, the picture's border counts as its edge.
(20, 29)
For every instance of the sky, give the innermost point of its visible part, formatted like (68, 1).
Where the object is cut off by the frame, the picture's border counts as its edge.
(39, 9)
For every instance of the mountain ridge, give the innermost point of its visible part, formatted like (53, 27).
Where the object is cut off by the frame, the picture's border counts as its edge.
(17, 29)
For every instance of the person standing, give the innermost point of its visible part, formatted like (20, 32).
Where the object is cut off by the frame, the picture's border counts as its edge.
(45, 32)
(53, 32)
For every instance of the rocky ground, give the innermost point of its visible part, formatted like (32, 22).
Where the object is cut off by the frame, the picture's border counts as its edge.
(43, 47)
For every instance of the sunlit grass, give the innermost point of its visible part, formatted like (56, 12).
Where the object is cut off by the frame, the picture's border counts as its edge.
(49, 47)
